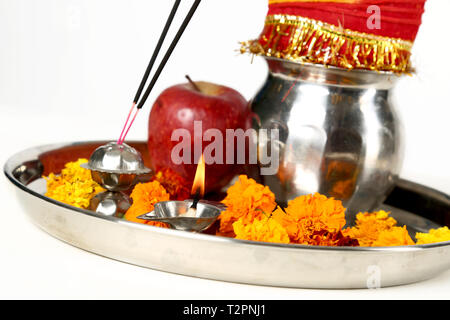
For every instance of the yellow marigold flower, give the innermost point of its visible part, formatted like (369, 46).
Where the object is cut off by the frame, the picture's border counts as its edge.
(433, 236)
(395, 236)
(73, 186)
(246, 199)
(369, 226)
(261, 229)
(376, 228)
(307, 215)
(145, 196)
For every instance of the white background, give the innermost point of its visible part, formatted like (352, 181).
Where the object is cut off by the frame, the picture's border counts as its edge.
(69, 70)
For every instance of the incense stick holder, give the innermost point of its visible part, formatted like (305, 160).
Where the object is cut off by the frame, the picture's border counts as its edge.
(173, 213)
(116, 168)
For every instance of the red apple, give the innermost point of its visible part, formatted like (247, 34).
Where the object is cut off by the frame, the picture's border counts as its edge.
(216, 106)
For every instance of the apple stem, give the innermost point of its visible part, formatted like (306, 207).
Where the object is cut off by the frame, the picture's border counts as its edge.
(193, 83)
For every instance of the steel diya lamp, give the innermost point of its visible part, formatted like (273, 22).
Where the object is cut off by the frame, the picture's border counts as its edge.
(180, 215)
(116, 168)
(190, 215)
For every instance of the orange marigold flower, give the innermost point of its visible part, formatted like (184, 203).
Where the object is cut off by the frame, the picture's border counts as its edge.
(433, 236)
(246, 199)
(395, 236)
(175, 185)
(309, 214)
(332, 239)
(73, 186)
(377, 229)
(261, 229)
(144, 196)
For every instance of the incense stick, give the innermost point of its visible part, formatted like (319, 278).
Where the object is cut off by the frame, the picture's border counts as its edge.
(157, 49)
(131, 123)
(162, 64)
(149, 67)
(169, 52)
(119, 141)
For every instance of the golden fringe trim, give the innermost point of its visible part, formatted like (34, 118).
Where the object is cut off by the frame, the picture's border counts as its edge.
(306, 40)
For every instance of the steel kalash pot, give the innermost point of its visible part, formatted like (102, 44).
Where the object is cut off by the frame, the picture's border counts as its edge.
(337, 133)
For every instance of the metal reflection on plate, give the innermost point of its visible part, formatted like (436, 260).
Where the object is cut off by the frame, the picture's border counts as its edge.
(114, 204)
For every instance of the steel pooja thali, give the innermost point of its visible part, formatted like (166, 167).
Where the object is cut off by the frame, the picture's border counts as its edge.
(220, 258)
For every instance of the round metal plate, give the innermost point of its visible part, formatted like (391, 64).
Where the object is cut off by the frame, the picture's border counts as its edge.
(214, 257)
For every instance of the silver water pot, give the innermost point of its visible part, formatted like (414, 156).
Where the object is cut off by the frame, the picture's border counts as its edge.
(337, 133)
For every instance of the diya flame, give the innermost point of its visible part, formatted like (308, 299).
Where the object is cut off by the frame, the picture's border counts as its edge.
(198, 186)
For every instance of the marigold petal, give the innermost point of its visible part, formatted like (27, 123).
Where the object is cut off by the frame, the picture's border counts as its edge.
(246, 199)
(145, 196)
(264, 229)
(433, 236)
(73, 186)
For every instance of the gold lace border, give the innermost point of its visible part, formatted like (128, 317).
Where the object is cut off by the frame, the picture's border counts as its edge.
(305, 40)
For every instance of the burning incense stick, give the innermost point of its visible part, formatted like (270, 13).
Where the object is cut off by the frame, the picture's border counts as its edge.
(161, 66)
(149, 68)
(157, 49)
(168, 53)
